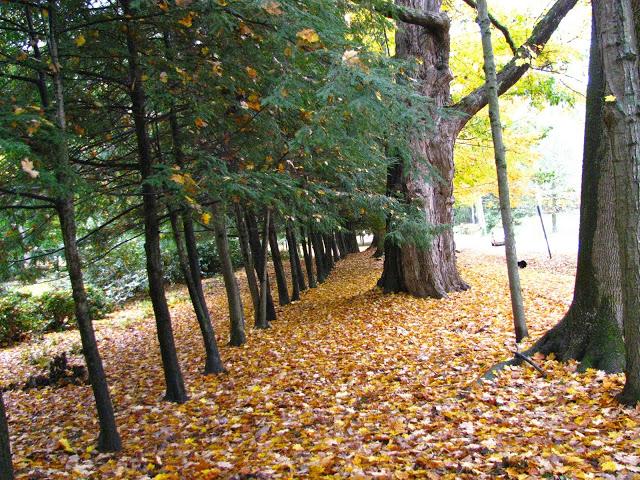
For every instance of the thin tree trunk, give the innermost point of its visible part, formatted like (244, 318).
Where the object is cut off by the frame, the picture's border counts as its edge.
(316, 243)
(175, 391)
(249, 266)
(262, 321)
(341, 245)
(616, 28)
(108, 438)
(308, 261)
(6, 466)
(236, 313)
(517, 306)
(294, 264)
(296, 260)
(281, 278)
(328, 256)
(213, 363)
(334, 248)
(259, 258)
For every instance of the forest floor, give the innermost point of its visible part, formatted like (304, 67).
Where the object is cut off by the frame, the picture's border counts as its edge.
(348, 383)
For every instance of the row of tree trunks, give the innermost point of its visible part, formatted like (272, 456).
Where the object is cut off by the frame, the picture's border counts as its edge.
(213, 362)
(308, 261)
(247, 257)
(281, 278)
(259, 258)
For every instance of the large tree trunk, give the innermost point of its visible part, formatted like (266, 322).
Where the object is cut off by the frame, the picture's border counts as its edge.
(590, 331)
(176, 391)
(616, 31)
(6, 466)
(236, 313)
(259, 258)
(318, 254)
(281, 278)
(213, 363)
(433, 272)
(108, 438)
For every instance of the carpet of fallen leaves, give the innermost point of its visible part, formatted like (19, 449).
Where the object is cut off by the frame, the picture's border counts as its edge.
(348, 383)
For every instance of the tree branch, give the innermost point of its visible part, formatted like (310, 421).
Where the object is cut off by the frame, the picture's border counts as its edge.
(518, 65)
(436, 22)
(498, 25)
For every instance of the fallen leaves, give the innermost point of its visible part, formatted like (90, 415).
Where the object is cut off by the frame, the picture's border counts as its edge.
(348, 382)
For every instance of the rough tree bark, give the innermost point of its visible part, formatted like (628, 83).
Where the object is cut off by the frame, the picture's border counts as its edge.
(517, 305)
(6, 466)
(424, 34)
(591, 330)
(236, 312)
(616, 31)
(281, 278)
(318, 254)
(108, 438)
(175, 390)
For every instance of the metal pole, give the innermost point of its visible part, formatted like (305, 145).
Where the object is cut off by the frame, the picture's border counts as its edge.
(544, 230)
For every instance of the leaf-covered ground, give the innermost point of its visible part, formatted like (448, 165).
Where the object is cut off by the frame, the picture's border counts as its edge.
(349, 383)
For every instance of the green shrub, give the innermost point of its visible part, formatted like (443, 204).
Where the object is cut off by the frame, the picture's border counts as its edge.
(18, 315)
(22, 313)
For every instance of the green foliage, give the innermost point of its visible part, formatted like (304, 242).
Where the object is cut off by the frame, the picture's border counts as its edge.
(23, 313)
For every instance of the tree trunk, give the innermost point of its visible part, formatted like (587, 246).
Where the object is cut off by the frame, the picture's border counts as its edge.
(316, 243)
(297, 279)
(108, 438)
(259, 258)
(213, 363)
(173, 376)
(6, 466)
(281, 278)
(249, 265)
(262, 321)
(236, 312)
(328, 256)
(616, 31)
(590, 331)
(334, 248)
(308, 261)
(517, 306)
(433, 272)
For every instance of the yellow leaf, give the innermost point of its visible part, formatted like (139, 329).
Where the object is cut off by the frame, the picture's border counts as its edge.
(80, 40)
(163, 6)
(273, 8)
(206, 218)
(200, 123)
(177, 178)
(610, 98)
(164, 77)
(251, 72)
(65, 445)
(609, 466)
(308, 39)
(187, 21)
